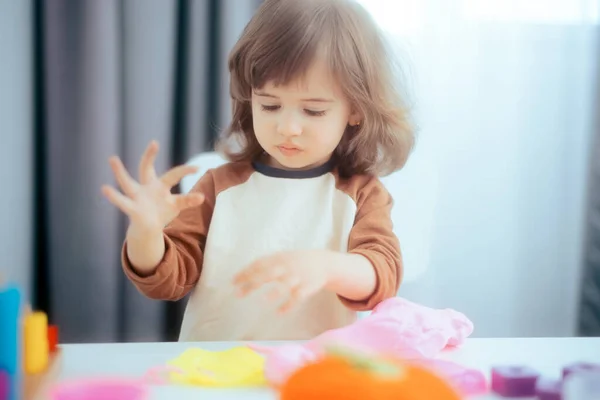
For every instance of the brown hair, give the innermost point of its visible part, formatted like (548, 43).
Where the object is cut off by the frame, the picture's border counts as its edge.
(279, 44)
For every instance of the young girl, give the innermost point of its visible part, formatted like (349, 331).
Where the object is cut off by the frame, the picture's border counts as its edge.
(293, 236)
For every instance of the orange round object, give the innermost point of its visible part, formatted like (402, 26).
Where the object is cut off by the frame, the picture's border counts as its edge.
(345, 377)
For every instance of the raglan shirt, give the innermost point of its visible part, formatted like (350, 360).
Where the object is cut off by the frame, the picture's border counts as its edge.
(252, 210)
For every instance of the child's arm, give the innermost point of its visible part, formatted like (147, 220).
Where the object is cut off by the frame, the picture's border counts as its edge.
(351, 276)
(371, 271)
(145, 249)
(368, 273)
(167, 265)
(162, 253)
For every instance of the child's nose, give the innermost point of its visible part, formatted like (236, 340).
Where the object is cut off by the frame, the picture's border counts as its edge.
(289, 126)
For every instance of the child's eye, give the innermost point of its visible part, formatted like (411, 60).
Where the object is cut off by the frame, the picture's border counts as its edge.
(269, 108)
(314, 113)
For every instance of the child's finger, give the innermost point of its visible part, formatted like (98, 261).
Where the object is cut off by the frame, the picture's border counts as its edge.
(146, 167)
(289, 281)
(291, 301)
(124, 203)
(174, 175)
(274, 292)
(260, 270)
(297, 295)
(183, 201)
(125, 181)
(252, 279)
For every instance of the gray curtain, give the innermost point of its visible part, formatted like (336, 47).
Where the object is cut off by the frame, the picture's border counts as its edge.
(110, 76)
(16, 144)
(589, 316)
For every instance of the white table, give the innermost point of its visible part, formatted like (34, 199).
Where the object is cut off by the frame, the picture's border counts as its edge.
(547, 355)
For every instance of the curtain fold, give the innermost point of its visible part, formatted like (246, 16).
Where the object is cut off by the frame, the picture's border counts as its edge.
(589, 313)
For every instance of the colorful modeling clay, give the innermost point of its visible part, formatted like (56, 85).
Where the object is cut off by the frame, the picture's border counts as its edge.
(357, 377)
(235, 367)
(402, 328)
(397, 328)
(468, 382)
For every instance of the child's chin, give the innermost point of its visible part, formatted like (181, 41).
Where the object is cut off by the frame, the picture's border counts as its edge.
(293, 164)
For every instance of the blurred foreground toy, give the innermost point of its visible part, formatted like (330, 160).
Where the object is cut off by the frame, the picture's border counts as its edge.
(513, 381)
(29, 355)
(345, 375)
(232, 368)
(397, 328)
(100, 389)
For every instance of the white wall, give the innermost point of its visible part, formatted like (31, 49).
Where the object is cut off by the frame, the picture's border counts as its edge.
(505, 110)
(16, 145)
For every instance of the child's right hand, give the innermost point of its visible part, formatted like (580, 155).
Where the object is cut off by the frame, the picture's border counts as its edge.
(149, 203)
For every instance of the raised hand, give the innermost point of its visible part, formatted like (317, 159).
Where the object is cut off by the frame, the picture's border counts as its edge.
(149, 203)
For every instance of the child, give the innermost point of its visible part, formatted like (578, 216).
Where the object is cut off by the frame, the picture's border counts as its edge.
(298, 221)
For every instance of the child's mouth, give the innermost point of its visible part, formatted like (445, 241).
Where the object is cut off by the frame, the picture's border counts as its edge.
(289, 150)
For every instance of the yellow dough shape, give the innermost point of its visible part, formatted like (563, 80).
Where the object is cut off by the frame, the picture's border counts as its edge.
(234, 367)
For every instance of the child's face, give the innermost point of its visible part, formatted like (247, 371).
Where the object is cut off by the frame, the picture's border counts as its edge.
(301, 124)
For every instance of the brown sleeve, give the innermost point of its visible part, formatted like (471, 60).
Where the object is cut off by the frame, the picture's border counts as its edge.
(185, 238)
(372, 236)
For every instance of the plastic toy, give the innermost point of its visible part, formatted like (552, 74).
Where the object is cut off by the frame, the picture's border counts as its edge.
(582, 386)
(548, 389)
(513, 381)
(4, 384)
(27, 363)
(580, 367)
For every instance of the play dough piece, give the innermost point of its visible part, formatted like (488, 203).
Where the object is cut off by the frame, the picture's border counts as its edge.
(234, 367)
(343, 375)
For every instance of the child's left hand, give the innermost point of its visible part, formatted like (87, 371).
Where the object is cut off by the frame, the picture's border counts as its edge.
(298, 274)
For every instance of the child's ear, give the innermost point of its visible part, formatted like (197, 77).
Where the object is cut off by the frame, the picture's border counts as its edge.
(355, 118)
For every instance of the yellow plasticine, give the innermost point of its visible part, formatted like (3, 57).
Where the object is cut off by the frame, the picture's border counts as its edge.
(235, 367)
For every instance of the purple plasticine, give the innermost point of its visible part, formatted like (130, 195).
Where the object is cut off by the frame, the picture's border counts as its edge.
(514, 381)
(4, 385)
(582, 386)
(580, 367)
(548, 389)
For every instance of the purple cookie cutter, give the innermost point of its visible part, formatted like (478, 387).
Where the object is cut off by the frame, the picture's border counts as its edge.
(580, 367)
(548, 389)
(514, 380)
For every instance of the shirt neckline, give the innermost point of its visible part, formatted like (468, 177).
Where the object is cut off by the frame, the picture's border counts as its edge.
(275, 172)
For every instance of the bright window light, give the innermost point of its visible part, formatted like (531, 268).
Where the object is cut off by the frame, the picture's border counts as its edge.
(398, 17)
(537, 11)
(406, 17)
